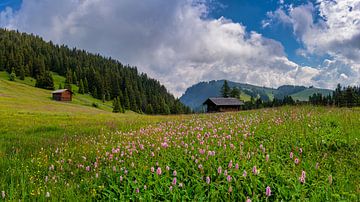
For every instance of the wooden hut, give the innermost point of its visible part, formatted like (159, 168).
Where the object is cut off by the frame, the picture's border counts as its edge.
(222, 104)
(62, 95)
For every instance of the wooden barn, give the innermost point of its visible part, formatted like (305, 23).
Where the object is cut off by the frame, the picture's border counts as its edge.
(222, 104)
(62, 95)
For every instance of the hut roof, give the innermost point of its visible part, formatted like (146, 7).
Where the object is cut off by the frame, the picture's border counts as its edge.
(221, 101)
(61, 91)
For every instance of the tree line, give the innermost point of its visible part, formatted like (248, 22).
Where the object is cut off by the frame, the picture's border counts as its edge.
(342, 97)
(27, 55)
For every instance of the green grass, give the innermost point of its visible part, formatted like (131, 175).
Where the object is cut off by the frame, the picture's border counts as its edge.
(304, 95)
(71, 151)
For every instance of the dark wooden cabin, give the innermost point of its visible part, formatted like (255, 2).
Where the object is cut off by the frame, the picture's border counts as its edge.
(222, 104)
(62, 95)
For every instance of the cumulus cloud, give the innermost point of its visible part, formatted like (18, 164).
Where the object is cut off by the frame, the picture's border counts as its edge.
(173, 41)
(332, 27)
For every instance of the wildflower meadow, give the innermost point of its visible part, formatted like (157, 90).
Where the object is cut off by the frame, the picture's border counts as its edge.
(288, 153)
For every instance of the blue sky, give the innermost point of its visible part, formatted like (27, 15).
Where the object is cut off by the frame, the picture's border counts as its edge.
(251, 13)
(15, 4)
(181, 42)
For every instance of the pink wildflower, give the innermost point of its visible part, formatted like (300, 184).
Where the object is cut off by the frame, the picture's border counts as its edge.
(254, 170)
(228, 178)
(121, 178)
(152, 169)
(181, 184)
(88, 168)
(296, 161)
(137, 190)
(219, 170)
(208, 180)
(171, 188)
(164, 145)
(225, 172)
(230, 189)
(174, 173)
(230, 164)
(268, 191)
(200, 166)
(300, 151)
(174, 181)
(244, 173)
(158, 171)
(291, 155)
(167, 168)
(302, 178)
(248, 199)
(237, 166)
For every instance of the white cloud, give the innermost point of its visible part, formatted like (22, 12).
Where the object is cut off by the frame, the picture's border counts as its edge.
(335, 32)
(173, 41)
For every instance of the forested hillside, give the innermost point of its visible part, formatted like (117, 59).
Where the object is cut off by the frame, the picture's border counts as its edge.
(104, 78)
(195, 95)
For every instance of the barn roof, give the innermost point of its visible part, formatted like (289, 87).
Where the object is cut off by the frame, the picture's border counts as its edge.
(221, 101)
(61, 91)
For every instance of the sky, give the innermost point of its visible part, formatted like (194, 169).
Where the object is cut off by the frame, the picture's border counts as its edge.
(182, 42)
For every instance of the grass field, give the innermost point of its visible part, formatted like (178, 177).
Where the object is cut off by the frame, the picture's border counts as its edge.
(72, 151)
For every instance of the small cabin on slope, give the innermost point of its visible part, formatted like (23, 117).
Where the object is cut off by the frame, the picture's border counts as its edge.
(62, 95)
(222, 104)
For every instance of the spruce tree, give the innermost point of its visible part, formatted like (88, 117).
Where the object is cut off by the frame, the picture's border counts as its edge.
(22, 73)
(149, 109)
(12, 75)
(60, 86)
(116, 105)
(81, 87)
(126, 100)
(225, 89)
(235, 93)
(86, 86)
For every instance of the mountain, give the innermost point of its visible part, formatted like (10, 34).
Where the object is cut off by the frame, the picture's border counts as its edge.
(27, 55)
(198, 93)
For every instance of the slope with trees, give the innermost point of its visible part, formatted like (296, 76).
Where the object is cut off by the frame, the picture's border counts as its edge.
(103, 78)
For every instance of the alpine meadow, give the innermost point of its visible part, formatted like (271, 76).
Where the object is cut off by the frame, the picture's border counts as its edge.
(207, 103)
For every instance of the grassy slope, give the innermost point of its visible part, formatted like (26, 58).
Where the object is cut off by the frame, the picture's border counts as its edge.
(29, 116)
(304, 95)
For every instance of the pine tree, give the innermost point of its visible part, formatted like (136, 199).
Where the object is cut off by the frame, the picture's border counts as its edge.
(75, 81)
(45, 81)
(68, 80)
(81, 87)
(60, 86)
(116, 105)
(12, 75)
(225, 89)
(22, 73)
(149, 109)
(86, 86)
(94, 93)
(126, 100)
(235, 93)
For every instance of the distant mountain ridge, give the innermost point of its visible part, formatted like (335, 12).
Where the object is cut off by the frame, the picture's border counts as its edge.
(195, 95)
